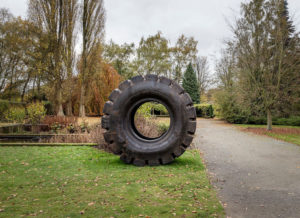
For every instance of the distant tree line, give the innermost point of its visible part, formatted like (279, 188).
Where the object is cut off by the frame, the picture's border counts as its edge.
(153, 55)
(259, 71)
(38, 60)
(156, 55)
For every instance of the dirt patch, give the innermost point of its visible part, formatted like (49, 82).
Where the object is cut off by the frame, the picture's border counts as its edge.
(90, 120)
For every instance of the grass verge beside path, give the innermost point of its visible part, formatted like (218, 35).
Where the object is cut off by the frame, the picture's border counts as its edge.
(285, 133)
(45, 144)
(76, 181)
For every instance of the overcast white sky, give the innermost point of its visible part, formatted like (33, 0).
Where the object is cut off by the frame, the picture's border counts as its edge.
(129, 20)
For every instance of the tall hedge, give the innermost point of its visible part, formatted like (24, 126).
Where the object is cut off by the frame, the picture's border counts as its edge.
(204, 110)
(190, 84)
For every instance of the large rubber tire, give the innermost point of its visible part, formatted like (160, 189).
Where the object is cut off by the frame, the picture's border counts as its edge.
(126, 141)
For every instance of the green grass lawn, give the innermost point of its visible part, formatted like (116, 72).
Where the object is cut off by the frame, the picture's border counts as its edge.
(285, 133)
(293, 138)
(84, 181)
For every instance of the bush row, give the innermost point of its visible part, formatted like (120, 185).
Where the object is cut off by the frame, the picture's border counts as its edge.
(7, 105)
(291, 121)
(204, 110)
(152, 108)
(18, 113)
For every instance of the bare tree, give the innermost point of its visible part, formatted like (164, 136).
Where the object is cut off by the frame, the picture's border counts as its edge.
(93, 22)
(17, 42)
(5, 60)
(226, 67)
(50, 16)
(202, 72)
(183, 53)
(71, 11)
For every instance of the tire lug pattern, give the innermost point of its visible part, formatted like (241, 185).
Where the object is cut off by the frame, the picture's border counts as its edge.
(137, 79)
(125, 85)
(114, 95)
(120, 143)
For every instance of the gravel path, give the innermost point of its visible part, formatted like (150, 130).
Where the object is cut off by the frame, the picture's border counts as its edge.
(255, 176)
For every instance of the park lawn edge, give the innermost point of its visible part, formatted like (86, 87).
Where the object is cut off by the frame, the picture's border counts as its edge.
(47, 144)
(76, 181)
(290, 138)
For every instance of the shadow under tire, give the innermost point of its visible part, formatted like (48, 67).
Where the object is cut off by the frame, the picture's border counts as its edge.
(118, 120)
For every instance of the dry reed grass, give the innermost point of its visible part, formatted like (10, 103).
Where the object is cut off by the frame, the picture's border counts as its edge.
(63, 121)
(147, 127)
(95, 135)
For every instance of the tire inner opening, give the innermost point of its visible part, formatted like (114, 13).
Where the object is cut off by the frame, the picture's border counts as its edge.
(151, 120)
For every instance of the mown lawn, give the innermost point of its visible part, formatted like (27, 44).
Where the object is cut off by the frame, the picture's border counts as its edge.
(84, 181)
(286, 133)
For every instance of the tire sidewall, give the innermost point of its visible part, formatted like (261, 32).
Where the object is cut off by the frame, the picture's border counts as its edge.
(121, 118)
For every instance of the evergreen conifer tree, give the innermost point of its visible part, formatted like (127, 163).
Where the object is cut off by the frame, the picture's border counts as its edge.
(190, 84)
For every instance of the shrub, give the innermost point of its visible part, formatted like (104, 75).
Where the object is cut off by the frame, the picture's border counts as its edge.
(162, 128)
(146, 126)
(159, 109)
(71, 128)
(15, 115)
(4, 105)
(230, 109)
(291, 121)
(257, 120)
(36, 112)
(49, 107)
(151, 108)
(204, 110)
(84, 127)
(14, 105)
(57, 123)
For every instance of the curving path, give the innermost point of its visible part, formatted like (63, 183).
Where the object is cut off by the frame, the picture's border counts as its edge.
(255, 176)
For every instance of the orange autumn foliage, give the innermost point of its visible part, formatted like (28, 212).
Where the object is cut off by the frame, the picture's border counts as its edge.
(102, 84)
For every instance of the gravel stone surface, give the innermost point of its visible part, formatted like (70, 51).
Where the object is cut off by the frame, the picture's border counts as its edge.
(255, 176)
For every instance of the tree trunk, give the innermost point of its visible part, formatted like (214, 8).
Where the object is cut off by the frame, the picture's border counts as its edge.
(69, 109)
(39, 86)
(60, 111)
(24, 89)
(2, 84)
(82, 101)
(269, 120)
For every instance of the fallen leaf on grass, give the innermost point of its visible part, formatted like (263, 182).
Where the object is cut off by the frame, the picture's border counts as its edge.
(1, 210)
(91, 204)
